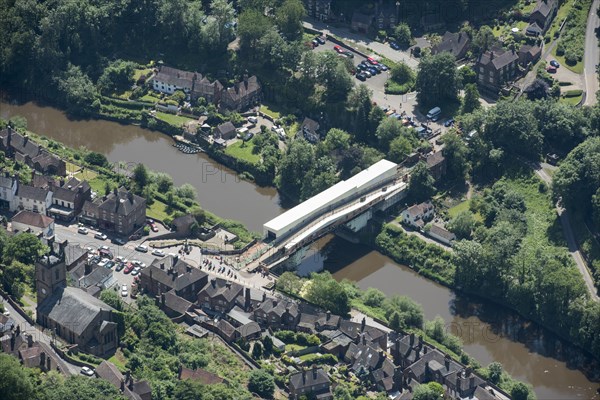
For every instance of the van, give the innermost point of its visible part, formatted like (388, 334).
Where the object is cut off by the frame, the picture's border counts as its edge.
(434, 113)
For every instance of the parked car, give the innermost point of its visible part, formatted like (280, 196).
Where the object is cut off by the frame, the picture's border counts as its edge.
(87, 371)
(248, 136)
(372, 61)
(154, 228)
(118, 241)
(348, 54)
(551, 69)
(100, 236)
(120, 266)
(136, 271)
(82, 230)
(105, 253)
(373, 71)
(142, 248)
(124, 291)
(315, 43)
(158, 252)
(128, 268)
(361, 76)
(449, 122)
(320, 39)
(367, 73)
(109, 264)
(103, 262)
(384, 67)
(338, 48)
(394, 45)
(554, 63)
(253, 120)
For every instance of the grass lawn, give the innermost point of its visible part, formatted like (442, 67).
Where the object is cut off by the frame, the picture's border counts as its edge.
(97, 184)
(119, 360)
(293, 347)
(543, 227)
(139, 72)
(270, 111)
(243, 150)
(175, 120)
(292, 130)
(562, 13)
(457, 209)
(148, 98)
(87, 174)
(577, 68)
(157, 211)
(309, 357)
(571, 100)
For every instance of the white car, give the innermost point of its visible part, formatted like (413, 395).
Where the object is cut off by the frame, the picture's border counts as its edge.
(103, 262)
(122, 259)
(6, 313)
(142, 248)
(100, 236)
(136, 271)
(104, 248)
(82, 230)
(158, 252)
(87, 371)
(124, 291)
(253, 120)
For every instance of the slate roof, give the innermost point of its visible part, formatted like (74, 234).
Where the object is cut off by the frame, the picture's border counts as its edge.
(452, 42)
(442, 232)
(498, 58)
(176, 77)
(6, 181)
(225, 128)
(221, 287)
(364, 357)
(434, 159)
(108, 371)
(73, 308)
(308, 379)
(354, 329)
(30, 192)
(534, 28)
(73, 252)
(24, 145)
(279, 307)
(33, 219)
(184, 276)
(122, 203)
(243, 89)
(419, 209)
(543, 7)
(42, 181)
(249, 329)
(45, 160)
(176, 303)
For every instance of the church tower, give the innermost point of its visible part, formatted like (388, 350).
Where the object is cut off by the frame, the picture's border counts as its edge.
(50, 272)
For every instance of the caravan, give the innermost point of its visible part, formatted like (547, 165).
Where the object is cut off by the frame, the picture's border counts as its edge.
(434, 114)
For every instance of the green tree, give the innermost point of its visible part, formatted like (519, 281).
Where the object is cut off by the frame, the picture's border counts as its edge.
(299, 155)
(388, 130)
(402, 73)
(261, 383)
(78, 387)
(289, 18)
(16, 383)
(519, 391)
(257, 351)
(425, 392)
(186, 191)
(289, 282)
(409, 312)
(400, 148)
(471, 99)
(252, 26)
(140, 176)
(403, 35)
(463, 225)
(25, 248)
(94, 158)
(117, 76)
(359, 106)
(483, 39)
(495, 372)
(373, 297)
(512, 126)
(456, 153)
(76, 91)
(421, 185)
(437, 79)
(267, 345)
(163, 181)
(328, 294)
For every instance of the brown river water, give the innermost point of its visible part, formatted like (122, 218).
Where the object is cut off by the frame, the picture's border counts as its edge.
(490, 333)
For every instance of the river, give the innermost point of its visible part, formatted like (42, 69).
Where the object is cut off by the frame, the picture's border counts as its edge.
(489, 333)
(219, 189)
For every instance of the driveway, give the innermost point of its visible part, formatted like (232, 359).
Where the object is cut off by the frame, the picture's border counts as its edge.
(591, 56)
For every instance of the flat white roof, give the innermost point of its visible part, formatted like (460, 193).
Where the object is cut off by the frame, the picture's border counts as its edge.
(329, 195)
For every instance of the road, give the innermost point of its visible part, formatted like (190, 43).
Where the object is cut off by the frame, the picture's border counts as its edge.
(39, 336)
(591, 56)
(570, 237)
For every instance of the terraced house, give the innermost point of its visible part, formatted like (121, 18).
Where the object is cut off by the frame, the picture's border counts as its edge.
(121, 212)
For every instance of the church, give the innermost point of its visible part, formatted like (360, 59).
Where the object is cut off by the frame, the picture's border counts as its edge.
(73, 314)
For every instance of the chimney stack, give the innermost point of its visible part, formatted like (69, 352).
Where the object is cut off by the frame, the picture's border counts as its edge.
(363, 324)
(42, 360)
(29, 341)
(213, 282)
(447, 362)
(122, 385)
(247, 299)
(471, 382)
(162, 299)
(162, 265)
(328, 315)
(412, 338)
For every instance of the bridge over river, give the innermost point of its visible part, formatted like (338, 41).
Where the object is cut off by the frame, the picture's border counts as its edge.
(349, 204)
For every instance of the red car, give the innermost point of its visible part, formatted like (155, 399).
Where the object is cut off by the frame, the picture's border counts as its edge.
(551, 69)
(128, 268)
(154, 228)
(372, 61)
(338, 49)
